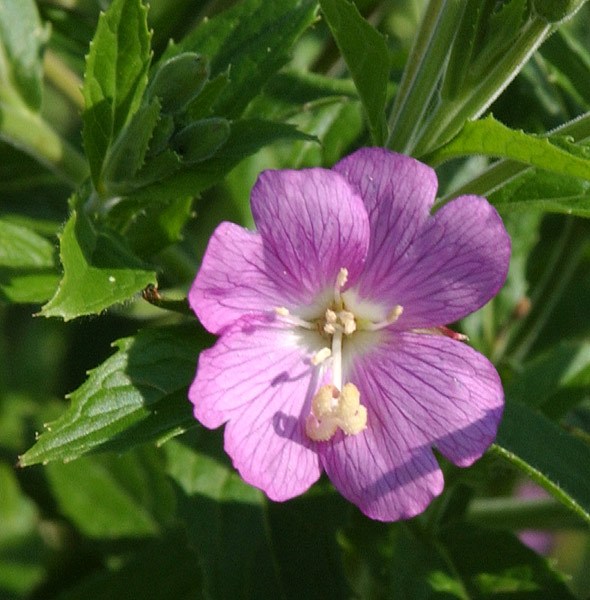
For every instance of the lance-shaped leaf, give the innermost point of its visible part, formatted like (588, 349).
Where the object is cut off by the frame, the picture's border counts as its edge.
(367, 57)
(21, 40)
(115, 78)
(27, 265)
(99, 270)
(136, 395)
(537, 190)
(555, 459)
(491, 138)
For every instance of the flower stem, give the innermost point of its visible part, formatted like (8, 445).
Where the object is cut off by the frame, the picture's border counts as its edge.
(516, 513)
(63, 78)
(28, 132)
(423, 71)
(449, 116)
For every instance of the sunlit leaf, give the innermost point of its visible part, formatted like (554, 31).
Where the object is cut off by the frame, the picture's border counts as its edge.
(27, 265)
(21, 40)
(99, 270)
(489, 137)
(115, 78)
(252, 39)
(367, 57)
(136, 395)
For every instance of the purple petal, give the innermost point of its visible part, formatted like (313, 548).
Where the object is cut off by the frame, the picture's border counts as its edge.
(457, 263)
(421, 391)
(233, 280)
(258, 376)
(314, 224)
(398, 192)
(438, 268)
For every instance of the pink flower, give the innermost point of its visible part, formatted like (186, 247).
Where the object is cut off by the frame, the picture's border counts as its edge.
(332, 355)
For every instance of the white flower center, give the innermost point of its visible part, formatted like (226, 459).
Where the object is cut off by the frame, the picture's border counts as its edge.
(337, 406)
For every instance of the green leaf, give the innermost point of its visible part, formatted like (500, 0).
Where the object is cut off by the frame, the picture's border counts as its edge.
(537, 190)
(556, 11)
(22, 38)
(284, 550)
(491, 138)
(27, 265)
(99, 270)
(495, 564)
(115, 78)
(393, 562)
(501, 30)
(247, 136)
(162, 569)
(554, 381)
(367, 57)
(553, 458)
(156, 225)
(126, 157)
(225, 521)
(458, 561)
(21, 548)
(569, 65)
(136, 395)
(200, 140)
(252, 39)
(130, 495)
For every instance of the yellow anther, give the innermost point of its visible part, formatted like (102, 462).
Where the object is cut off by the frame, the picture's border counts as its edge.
(320, 356)
(282, 311)
(342, 277)
(395, 314)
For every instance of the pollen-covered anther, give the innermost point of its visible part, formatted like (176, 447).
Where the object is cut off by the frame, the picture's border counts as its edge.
(320, 356)
(392, 317)
(333, 409)
(348, 321)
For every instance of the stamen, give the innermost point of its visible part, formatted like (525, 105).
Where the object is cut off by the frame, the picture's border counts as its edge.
(392, 317)
(320, 356)
(282, 311)
(332, 409)
(348, 321)
(331, 319)
(342, 278)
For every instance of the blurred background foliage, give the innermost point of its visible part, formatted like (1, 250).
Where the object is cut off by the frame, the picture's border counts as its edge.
(175, 521)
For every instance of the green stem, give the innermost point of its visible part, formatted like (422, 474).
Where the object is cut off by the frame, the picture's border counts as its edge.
(28, 132)
(450, 115)
(63, 78)
(514, 513)
(423, 70)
